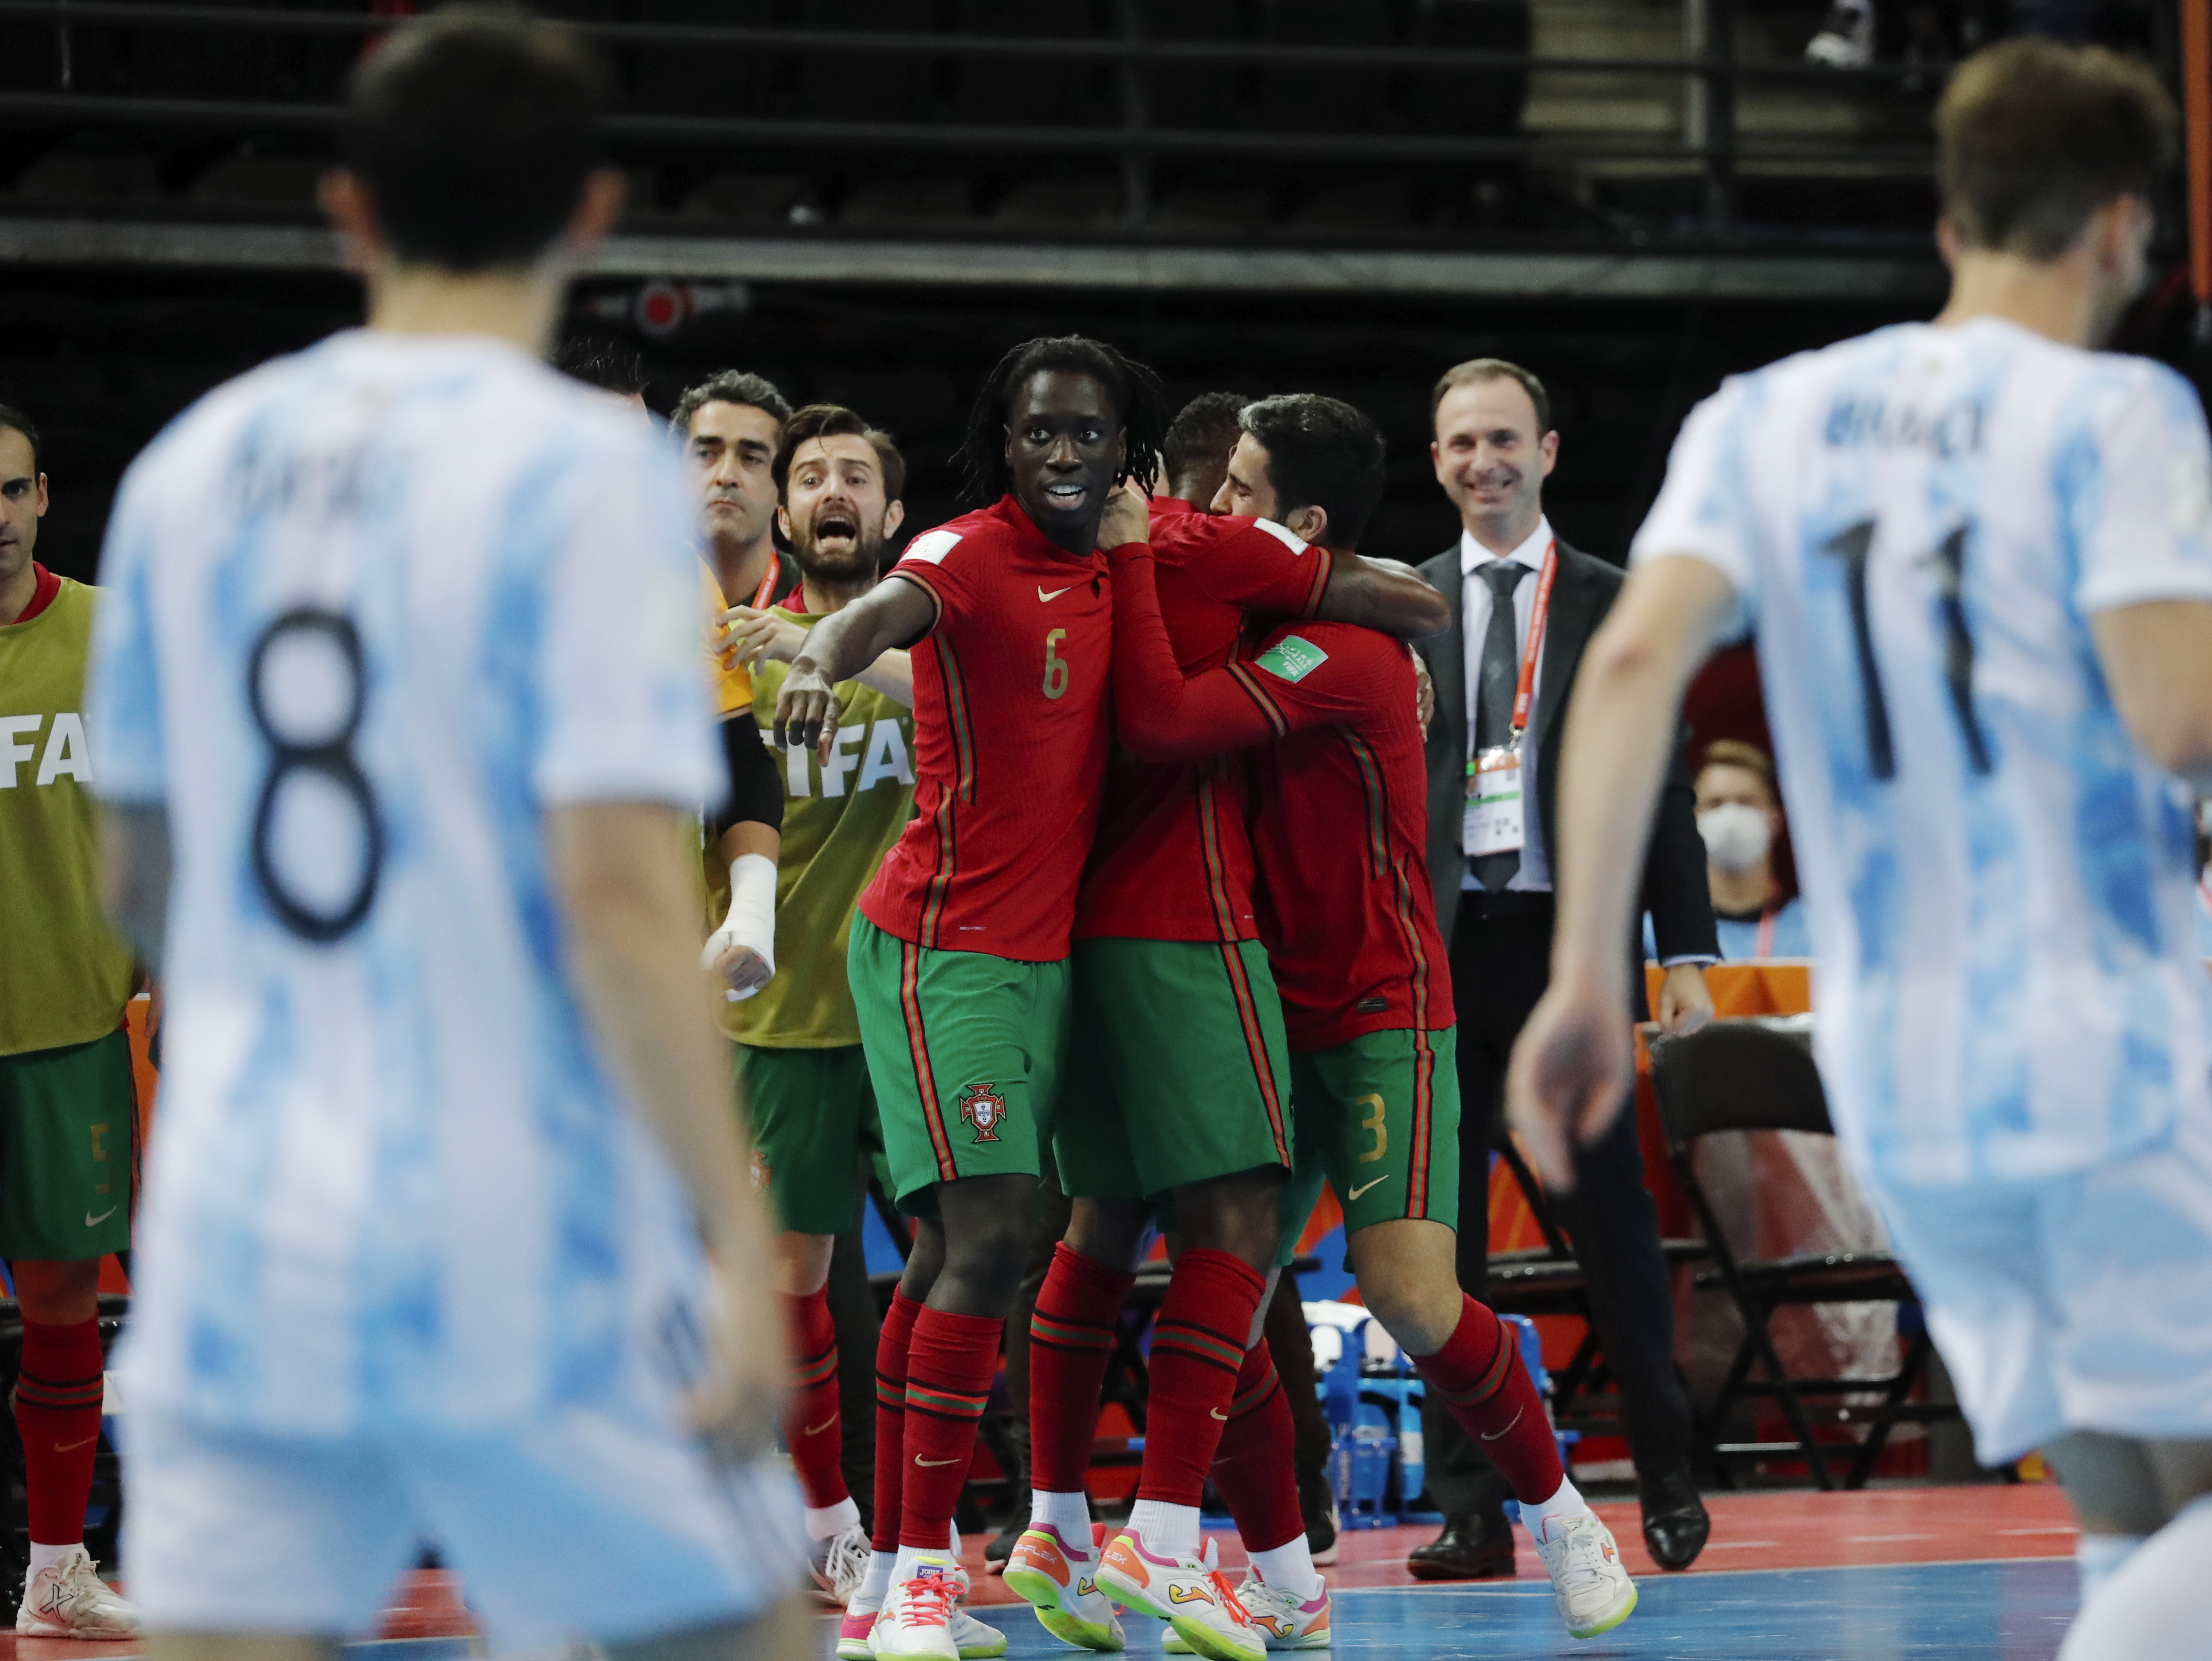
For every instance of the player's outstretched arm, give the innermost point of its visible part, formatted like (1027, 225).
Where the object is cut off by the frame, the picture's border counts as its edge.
(757, 637)
(629, 906)
(1570, 1070)
(134, 874)
(1159, 715)
(2157, 659)
(895, 612)
(1385, 595)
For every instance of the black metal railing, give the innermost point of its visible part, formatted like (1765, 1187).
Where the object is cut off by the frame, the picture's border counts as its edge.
(1141, 128)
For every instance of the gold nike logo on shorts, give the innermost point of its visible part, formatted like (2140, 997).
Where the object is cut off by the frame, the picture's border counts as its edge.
(1354, 1193)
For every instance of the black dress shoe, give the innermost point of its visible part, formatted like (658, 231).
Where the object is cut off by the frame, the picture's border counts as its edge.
(1473, 1546)
(1675, 1522)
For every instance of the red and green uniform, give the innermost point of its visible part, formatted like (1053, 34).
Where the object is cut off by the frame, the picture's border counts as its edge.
(1339, 826)
(67, 1107)
(958, 963)
(810, 1108)
(1178, 1071)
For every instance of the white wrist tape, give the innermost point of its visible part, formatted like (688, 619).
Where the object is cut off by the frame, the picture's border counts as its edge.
(752, 921)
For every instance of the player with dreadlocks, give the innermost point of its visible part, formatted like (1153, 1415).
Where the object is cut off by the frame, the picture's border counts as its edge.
(959, 956)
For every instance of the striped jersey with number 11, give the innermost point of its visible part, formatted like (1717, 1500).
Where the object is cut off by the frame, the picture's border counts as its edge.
(1918, 525)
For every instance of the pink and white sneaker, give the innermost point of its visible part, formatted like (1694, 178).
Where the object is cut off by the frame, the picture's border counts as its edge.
(1191, 1594)
(852, 1633)
(67, 1599)
(1281, 1619)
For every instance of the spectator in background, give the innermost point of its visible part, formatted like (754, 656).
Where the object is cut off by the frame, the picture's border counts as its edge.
(1739, 817)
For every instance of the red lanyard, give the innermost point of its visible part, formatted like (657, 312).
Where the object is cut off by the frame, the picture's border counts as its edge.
(766, 592)
(1539, 615)
(1764, 946)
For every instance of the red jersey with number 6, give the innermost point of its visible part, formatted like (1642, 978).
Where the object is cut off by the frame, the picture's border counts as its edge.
(1010, 737)
(1340, 807)
(1173, 859)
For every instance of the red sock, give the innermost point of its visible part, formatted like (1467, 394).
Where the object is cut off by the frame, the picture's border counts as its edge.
(1255, 1471)
(1197, 1349)
(891, 1346)
(1071, 1341)
(811, 1429)
(57, 1400)
(1478, 1375)
(949, 1368)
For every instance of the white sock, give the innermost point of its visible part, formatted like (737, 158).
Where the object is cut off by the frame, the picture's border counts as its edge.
(1567, 1502)
(44, 1557)
(1165, 1530)
(1070, 1513)
(2153, 1604)
(902, 1569)
(875, 1585)
(829, 1521)
(2099, 1557)
(1291, 1567)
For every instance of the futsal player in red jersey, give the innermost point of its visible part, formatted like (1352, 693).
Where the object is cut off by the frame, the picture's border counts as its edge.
(1339, 834)
(1177, 1086)
(958, 963)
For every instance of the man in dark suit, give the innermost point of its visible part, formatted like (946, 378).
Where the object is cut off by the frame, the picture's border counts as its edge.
(1493, 753)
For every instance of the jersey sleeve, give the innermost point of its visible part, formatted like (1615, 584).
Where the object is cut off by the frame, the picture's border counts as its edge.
(2135, 494)
(624, 714)
(1704, 510)
(1328, 674)
(122, 680)
(931, 563)
(1258, 566)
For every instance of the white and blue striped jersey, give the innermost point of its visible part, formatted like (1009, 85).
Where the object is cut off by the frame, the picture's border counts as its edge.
(1918, 524)
(372, 610)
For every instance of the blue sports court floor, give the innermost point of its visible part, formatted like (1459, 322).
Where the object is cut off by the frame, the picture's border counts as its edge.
(1954, 1574)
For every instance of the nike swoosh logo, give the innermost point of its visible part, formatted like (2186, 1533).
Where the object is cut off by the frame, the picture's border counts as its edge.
(91, 1221)
(1218, 1414)
(816, 1430)
(1491, 1436)
(66, 1447)
(1054, 594)
(1362, 1188)
(930, 1464)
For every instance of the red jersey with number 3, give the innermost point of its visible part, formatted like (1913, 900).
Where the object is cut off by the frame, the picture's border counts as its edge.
(1339, 818)
(1173, 859)
(1010, 738)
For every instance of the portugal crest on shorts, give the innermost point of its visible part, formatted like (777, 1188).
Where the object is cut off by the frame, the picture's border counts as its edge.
(986, 1110)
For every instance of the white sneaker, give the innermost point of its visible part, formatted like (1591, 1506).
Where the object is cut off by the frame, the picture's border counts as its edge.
(1588, 1583)
(840, 1563)
(975, 1640)
(67, 1599)
(1190, 1594)
(916, 1618)
(1280, 1619)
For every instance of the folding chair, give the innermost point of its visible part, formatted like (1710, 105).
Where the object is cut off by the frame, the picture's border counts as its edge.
(1758, 1074)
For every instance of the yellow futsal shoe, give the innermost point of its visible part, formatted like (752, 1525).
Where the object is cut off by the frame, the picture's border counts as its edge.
(1281, 1620)
(1589, 1583)
(1060, 1583)
(1190, 1594)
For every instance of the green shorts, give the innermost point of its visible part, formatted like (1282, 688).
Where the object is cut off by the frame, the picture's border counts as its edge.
(1178, 1067)
(965, 1050)
(1378, 1118)
(69, 1151)
(815, 1133)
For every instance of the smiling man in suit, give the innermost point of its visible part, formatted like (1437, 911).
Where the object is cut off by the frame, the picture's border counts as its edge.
(1493, 753)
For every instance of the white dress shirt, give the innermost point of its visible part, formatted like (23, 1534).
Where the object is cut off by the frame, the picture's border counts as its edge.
(1534, 877)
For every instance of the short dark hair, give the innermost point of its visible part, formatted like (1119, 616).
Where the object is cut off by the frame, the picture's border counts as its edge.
(1202, 433)
(612, 366)
(1321, 452)
(1492, 368)
(731, 387)
(2033, 137)
(11, 416)
(835, 421)
(1140, 401)
(474, 130)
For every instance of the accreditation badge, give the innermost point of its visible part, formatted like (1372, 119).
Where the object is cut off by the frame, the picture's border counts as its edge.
(1493, 820)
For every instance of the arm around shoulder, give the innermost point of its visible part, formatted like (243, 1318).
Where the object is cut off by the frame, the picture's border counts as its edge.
(1384, 595)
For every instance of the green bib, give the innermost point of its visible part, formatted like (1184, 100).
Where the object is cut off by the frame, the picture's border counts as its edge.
(839, 821)
(64, 978)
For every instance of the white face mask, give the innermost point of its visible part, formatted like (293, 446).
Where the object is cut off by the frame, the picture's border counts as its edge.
(1737, 835)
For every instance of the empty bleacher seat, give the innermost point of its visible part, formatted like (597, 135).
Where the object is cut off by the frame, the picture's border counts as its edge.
(1203, 207)
(285, 182)
(910, 203)
(1060, 204)
(90, 177)
(738, 197)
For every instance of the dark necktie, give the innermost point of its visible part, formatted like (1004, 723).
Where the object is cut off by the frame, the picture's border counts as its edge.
(1493, 702)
